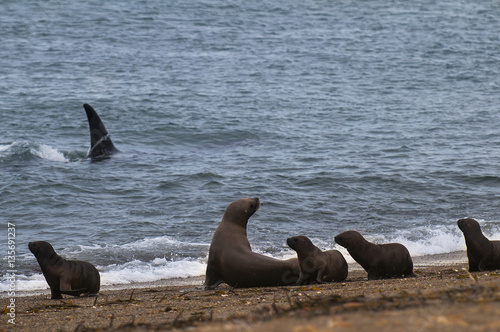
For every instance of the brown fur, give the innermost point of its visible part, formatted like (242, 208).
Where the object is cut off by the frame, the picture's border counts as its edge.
(381, 261)
(231, 259)
(65, 276)
(483, 254)
(316, 265)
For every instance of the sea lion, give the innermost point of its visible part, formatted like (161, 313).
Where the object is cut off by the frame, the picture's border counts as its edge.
(483, 254)
(381, 261)
(65, 276)
(316, 265)
(101, 146)
(231, 259)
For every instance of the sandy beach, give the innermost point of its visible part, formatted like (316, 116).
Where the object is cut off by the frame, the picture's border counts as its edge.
(441, 298)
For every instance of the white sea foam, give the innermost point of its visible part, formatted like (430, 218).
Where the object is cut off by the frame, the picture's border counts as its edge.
(39, 150)
(437, 242)
(132, 272)
(158, 269)
(46, 152)
(24, 283)
(154, 244)
(429, 240)
(5, 147)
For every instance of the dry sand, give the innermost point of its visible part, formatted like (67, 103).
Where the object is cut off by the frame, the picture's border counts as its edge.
(441, 298)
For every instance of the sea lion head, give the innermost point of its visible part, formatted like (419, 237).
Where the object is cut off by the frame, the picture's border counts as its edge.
(468, 225)
(238, 212)
(40, 248)
(348, 238)
(299, 242)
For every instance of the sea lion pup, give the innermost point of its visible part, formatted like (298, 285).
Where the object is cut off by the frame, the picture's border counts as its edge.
(65, 276)
(316, 265)
(231, 260)
(381, 261)
(483, 254)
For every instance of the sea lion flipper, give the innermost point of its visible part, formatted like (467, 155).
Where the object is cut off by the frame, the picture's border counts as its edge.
(74, 292)
(212, 279)
(55, 290)
(212, 285)
(301, 279)
(319, 278)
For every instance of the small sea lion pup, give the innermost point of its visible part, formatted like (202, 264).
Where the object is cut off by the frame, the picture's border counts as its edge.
(65, 276)
(483, 254)
(381, 261)
(316, 265)
(231, 259)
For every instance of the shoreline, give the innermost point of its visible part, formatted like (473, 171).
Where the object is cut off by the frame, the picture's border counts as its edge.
(452, 258)
(441, 297)
(188, 281)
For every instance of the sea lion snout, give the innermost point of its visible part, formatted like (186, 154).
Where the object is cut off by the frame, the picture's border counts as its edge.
(349, 238)
(340, 240)
(465, 223)
(36, 246)
(255, 204)
(292, 241)
(460, 223)
(298, 242)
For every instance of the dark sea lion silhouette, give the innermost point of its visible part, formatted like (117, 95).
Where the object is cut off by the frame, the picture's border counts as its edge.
(68, 277)
(483, 254)
(316, 265)
(231, 259)
(381, 261)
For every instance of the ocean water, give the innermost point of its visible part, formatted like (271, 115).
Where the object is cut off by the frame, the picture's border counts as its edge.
(377, 116)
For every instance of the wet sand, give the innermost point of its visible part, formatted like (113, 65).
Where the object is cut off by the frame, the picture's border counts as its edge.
(441, 298)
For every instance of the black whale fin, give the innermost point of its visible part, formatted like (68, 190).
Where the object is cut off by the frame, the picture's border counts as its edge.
(100, 142)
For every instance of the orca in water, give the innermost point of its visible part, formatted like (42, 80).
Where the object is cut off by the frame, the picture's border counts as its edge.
(101, 146)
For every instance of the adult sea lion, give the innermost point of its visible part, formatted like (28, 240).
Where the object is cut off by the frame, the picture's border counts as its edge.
(231, 259)
(65, 276)
(381, 261)
(101, 145)
(483, 254)
(316, 265)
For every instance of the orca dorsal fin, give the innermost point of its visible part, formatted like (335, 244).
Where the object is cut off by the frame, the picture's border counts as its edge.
(101, 145)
